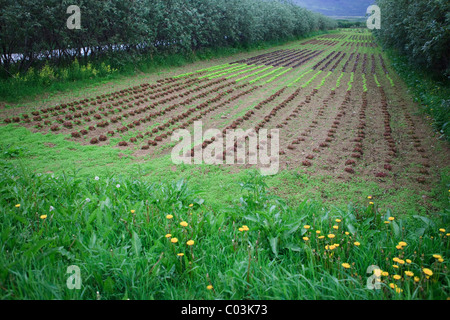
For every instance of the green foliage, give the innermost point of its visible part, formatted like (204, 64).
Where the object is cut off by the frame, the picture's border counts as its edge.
(347, 24)
(121, 233)
(433, 95)
(48, 74)
(123, 29)
(418, 29)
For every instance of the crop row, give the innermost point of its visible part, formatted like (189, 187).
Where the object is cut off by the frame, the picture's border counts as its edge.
(357, 151)
(360, 44)
(301, 137)
(286, 58)
(259, 57)
(334, 36)
(122, 112)
(321, 42)
(204, 111)
(415, 140)
(172, 107)
(78, 109)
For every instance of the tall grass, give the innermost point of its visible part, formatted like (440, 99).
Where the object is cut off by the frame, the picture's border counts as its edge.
(121, 233)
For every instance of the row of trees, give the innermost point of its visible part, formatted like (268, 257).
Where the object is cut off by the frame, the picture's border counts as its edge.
(37, 30)
(419, 29)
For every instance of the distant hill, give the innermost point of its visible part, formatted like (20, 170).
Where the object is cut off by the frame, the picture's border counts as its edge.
(337, 8)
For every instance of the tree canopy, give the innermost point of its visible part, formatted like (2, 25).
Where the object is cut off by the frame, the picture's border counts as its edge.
(37, 30)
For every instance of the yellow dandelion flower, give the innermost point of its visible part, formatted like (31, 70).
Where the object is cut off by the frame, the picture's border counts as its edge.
(180, 254)
(356, 243)
(331, 236)
(371, 203)
(401, 261)
(245, 228)
(395, 266)
(18, 205)
(416, 279)
(391, 218)
(392, 285)
(210, 287)
(440, 260)
(305, 238)
(174, 240)
(169, 216)
(306, 226)
(385, 273)
(191, 205)
(190, 243)
(183, 224)
(335, 227)
(437, 256)
(132, 211)
(338, 220)
(441, 230)
(241, 229)
(398, 290)
(347, 233)
(318, 231)
(336, 245)
(387, 222)
(321, 237)
(399, 247)
(168, 235)
(409, 273)
(402, 243)
(427, 271)
(332, 247)
(395, 259)
(346, 265)
(369, 197)
(408, 261)
(44, 216)
(397, 277)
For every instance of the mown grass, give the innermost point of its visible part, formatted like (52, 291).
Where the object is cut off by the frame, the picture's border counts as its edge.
(120, 232)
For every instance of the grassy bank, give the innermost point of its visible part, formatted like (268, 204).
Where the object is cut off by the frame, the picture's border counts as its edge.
(137, 240)
(430, 92)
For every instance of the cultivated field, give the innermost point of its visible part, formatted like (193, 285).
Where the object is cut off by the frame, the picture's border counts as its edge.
(340, 109)
(88, 181)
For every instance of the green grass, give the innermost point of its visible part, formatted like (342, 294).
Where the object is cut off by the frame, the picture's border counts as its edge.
(54, 154)
(124, 254)
(430, 92)
(118, 232)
